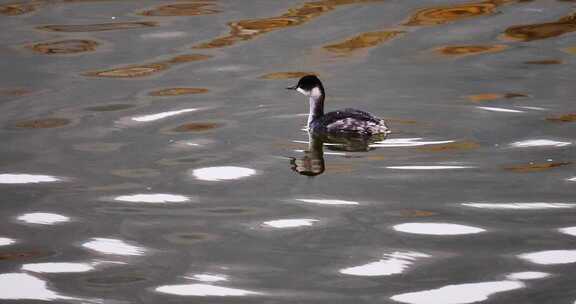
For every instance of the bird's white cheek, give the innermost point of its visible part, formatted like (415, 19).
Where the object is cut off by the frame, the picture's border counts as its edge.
(301, 91)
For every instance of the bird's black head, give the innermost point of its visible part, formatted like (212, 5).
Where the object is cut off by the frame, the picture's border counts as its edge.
(306, 84)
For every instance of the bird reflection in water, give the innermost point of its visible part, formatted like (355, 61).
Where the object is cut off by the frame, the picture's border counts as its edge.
(312, 163)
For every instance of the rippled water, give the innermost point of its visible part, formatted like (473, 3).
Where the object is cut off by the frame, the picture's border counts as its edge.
(151, 154)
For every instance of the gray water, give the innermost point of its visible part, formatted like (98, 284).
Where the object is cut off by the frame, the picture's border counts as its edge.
(150, 153)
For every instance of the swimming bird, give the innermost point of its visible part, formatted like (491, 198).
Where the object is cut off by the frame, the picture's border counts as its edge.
(346, 122)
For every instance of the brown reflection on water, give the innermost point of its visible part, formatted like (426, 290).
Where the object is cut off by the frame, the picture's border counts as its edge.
(544, 62)
(416, 213)
(71, 46)
(536, 167)
(286, 75)
(130, 71)
(178, 91)
(143, 70)
(110, 107)
(14, 92)
(466, 50)
(183, 9)
(197, 127)
(81, 28)
(450, 13)
(188, 58)
(451, 147)
(251, 28)
(17, 9)
(41, 123)
(570, 117)
(426, 17)
(362, 41)
(494, 96)
(18, 255)
(539, 31)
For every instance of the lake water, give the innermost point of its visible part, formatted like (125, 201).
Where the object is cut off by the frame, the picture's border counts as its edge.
(150, 153)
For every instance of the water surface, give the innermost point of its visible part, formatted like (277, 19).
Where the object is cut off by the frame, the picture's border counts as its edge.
(151, 154)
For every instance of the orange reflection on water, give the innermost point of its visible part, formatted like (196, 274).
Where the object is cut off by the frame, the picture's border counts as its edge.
(251, 28)
(544, 62)
(71, 46)
(539, 31)
(183, 9)
(536, 167)
(450, 147)
(416, 213)
(41, 123)
(466, 50)
(197, 127)
(451, 13)
(14, 92)
(362, 41)
(143, 70)
(16, 9)
(570, 117)
(494, 96)
(178, 91)
(100, 27)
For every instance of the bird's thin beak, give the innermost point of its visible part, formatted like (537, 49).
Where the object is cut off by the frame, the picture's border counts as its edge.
(292, 88)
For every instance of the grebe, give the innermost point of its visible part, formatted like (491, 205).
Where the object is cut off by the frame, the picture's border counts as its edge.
(349, 122)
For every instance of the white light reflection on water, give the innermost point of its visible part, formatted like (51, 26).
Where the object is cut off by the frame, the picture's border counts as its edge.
(113, 246)
(191, 144)
(208, 277)
(6, 241)
(152, 198)
(58, 267)
(325, 153)
(458, 294)
(43, 218)
(437, 228)
(407, 142)
(495, 109)
(222, 173)
(521, 206)
(533, 108)
(21, 286)
(158, 116)
(290, 223)
(429, 167)
(527, 275)
(203, 290)
(394, 263)
(21, 178)
(568, 230)
(540, 143)
(326, 201)
(550, 257)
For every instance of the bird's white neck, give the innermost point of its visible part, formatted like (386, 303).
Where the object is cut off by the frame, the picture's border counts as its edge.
(316, 99)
